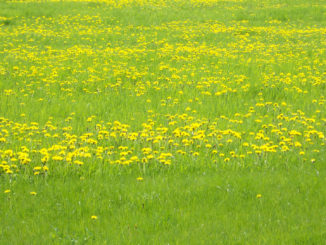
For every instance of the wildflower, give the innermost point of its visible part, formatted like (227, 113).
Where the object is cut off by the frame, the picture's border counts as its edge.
(37, 169)
(258, 196)
(33, 193)
(94, 217)
(78, 162)
(140, 178)
(167, 162)
(7, 191)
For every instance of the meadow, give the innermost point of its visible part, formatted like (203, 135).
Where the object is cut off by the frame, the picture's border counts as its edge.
(162, 122)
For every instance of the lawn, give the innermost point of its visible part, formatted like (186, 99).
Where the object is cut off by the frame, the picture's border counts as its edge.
(162, 122)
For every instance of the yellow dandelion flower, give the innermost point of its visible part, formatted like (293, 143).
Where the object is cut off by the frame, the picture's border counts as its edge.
(195, 154)
(78, 162)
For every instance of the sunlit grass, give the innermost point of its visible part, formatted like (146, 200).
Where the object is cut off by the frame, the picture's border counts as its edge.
(162, 122)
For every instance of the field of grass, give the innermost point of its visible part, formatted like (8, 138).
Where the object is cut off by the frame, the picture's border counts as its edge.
(163, 122)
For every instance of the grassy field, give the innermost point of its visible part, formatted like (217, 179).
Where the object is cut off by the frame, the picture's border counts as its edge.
(163, 122)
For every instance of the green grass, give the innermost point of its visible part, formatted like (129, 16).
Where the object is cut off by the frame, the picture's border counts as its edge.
(214, 207)
(228, 95)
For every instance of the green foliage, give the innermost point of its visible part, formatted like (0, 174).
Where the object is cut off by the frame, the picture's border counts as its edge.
(162, 122)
